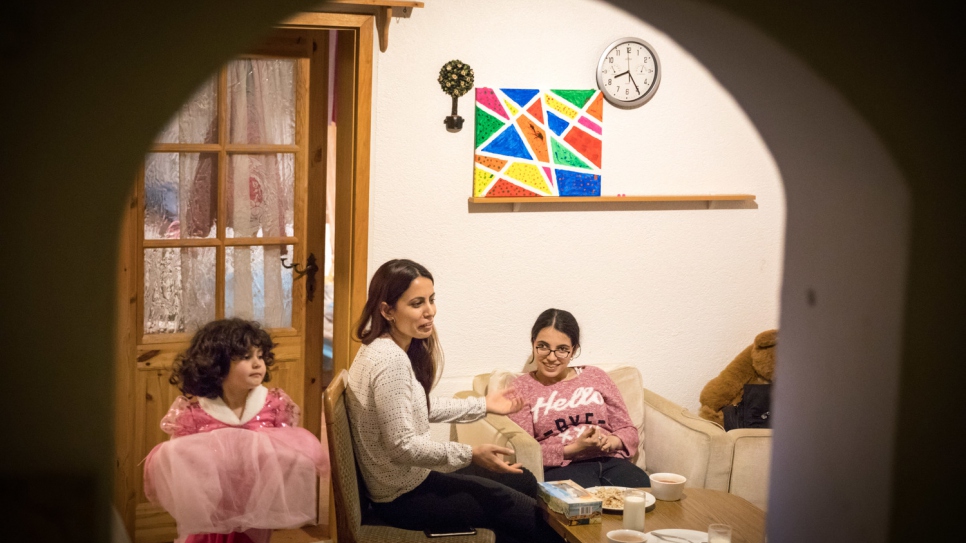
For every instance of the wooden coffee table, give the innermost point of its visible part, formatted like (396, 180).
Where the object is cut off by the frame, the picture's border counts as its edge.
(695, 511)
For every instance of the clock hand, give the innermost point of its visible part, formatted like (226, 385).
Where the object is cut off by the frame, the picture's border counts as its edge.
(622, 73)
(634, 82)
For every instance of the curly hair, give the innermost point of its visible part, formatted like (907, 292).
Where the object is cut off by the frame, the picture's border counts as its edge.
(200, 370)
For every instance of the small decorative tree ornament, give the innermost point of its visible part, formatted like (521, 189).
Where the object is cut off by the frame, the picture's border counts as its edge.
(456, 79)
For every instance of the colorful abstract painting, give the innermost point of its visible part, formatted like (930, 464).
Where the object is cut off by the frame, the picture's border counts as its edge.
(536, 142)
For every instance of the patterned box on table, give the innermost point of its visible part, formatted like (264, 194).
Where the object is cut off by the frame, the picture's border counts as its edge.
(572, 501)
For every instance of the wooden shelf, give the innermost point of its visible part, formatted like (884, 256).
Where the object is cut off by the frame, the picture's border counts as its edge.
(612, 199)
(385, 3)
(382, 9)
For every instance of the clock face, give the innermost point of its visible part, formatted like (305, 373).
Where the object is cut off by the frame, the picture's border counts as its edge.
(628, 72)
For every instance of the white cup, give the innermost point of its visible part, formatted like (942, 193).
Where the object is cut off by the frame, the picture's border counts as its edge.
(626, 536)
(635, 503)
(667, 486)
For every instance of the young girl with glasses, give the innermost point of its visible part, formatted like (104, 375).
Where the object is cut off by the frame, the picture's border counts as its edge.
(576, 413)
(415, 482)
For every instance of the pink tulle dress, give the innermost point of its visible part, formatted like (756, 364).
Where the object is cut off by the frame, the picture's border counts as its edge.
(231, 479)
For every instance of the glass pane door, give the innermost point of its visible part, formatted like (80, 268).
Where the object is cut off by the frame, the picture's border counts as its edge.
(221, 228)
(218, 199)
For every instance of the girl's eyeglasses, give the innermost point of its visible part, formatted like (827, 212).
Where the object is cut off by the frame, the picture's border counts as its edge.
(561, 352)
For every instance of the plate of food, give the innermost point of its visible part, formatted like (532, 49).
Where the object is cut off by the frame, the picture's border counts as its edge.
(613, 498)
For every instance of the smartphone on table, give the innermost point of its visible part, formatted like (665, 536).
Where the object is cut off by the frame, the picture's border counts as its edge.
(450, 533)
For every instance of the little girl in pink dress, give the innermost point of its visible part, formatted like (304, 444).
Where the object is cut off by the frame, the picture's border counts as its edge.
(237, 464)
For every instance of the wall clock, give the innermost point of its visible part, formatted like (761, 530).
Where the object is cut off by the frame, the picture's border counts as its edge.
(628, 72)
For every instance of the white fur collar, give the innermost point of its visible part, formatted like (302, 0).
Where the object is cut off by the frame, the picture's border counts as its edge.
(220, 411)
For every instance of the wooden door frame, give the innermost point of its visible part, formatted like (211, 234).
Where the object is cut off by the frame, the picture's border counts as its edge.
(353, 103)
(353, 109)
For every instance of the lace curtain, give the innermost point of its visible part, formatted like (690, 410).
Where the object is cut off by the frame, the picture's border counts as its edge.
(261, 111)
(181, 202)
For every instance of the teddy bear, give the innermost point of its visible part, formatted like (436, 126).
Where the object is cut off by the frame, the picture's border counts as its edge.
(754, 365)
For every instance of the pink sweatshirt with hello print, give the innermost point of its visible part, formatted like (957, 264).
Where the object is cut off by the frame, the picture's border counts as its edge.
(557, 414)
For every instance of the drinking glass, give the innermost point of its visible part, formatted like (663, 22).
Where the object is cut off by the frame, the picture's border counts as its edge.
(634, 505)
(719, 533)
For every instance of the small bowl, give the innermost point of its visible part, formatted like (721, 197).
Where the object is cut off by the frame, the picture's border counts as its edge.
(626, 536)
(668, 487)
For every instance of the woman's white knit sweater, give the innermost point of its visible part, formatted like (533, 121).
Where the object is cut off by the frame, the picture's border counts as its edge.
(390, 422)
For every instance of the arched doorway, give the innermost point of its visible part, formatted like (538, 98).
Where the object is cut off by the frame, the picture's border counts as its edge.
(57, 141)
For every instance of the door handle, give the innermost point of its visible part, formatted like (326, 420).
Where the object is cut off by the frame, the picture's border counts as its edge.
(310, 269)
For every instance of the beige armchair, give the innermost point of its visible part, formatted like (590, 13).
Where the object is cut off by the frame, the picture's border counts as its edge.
(751, 464)
(672, 439)
(348, 487)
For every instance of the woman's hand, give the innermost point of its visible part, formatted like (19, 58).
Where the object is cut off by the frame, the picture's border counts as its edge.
(592, 442)
(611, 443)
(489, 456)
(587, 444)
(503, 402)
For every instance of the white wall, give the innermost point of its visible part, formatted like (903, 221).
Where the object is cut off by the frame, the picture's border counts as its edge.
(677, 290)
(842, 288)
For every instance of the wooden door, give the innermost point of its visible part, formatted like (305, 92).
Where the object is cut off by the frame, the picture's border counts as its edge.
(143, 359)
(221, 226)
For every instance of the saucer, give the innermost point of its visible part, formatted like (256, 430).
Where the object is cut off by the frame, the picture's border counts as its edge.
(692, 535)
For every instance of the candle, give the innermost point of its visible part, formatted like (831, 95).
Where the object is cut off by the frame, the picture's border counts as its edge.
(634, 504)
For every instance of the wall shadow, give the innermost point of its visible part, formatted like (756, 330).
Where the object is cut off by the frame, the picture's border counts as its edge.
(89, 85)
(872, 166)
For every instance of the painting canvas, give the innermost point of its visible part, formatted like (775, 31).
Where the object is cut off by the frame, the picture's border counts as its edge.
(538, 142)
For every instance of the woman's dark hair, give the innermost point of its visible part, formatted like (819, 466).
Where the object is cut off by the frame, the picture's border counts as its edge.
(561, 321)
(201, 369)
(388, 284)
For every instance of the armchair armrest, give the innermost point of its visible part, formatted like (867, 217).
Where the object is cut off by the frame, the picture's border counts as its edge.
(752, 464)
(675, 440)
(500, 430)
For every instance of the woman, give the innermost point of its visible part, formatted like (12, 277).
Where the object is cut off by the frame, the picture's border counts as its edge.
(576, 413)
(415, 482)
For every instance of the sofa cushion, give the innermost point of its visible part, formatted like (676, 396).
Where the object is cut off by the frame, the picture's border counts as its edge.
(629, 382)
